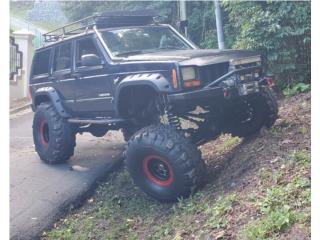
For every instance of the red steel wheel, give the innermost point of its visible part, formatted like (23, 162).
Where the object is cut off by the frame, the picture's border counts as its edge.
(158, 170)
(44, 133)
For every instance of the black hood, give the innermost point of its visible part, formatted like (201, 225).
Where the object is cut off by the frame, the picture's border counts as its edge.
(198, 57)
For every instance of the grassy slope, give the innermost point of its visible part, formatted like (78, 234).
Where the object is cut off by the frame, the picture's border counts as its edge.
(257, 189)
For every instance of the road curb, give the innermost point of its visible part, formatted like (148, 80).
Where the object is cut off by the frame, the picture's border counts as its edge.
(18, 109)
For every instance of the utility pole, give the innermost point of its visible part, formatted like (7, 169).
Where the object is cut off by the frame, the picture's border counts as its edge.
(219, 24)
(183, 17)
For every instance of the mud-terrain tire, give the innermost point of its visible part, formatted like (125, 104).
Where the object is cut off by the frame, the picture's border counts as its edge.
(164, 164)
(264, 108)
(54, 138)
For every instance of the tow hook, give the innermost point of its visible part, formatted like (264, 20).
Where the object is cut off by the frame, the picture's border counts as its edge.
(269, 81)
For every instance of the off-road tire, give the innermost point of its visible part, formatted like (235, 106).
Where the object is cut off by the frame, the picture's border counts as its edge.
(272, 109)
(265, 108)
(54, 138)
(186, 170)
(128, 132)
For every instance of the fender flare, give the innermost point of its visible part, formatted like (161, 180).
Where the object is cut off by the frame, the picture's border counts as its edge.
(54, 97)
(154, 80)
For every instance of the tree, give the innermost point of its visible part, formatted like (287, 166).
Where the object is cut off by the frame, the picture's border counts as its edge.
(280, 29)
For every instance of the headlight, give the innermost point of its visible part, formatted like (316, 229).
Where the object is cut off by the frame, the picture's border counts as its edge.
(188, 73)
(189, 77)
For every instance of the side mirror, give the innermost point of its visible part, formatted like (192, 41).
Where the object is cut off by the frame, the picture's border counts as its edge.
(90, 60)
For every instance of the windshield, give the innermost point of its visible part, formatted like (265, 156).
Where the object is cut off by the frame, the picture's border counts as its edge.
(138, 40)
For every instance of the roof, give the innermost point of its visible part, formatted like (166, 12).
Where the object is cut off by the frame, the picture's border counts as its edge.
(102, 20)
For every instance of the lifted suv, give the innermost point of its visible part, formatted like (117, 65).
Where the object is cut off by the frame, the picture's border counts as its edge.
(122, 70)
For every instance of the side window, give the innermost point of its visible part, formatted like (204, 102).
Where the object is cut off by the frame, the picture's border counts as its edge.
(62, 57)
(41, 62)
(83, 47)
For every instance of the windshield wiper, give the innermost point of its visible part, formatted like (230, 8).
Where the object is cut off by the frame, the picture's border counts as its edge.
(129, 53)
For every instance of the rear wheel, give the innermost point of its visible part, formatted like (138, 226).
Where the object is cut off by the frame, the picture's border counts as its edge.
(255, 111)
(54, 137)
(163, 163)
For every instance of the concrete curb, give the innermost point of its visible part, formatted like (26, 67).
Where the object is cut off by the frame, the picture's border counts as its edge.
(18, 109)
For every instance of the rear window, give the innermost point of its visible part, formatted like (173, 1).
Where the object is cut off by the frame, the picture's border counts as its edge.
(41, 62)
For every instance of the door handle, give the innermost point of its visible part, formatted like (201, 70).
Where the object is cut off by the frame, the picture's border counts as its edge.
(51, 78)
(76, 75)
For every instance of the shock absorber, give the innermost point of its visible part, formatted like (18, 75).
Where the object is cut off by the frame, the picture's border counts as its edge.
(173, 120)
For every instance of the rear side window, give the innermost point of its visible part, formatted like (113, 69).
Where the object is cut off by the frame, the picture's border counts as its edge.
(85, 46)
(62, 57)
(41, 62)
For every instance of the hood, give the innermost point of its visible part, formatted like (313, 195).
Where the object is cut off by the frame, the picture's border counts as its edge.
(198, 57)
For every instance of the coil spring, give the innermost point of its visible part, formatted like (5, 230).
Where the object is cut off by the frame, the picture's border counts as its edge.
(174, 121)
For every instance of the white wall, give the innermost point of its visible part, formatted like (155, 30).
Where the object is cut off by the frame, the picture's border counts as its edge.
(19, 87)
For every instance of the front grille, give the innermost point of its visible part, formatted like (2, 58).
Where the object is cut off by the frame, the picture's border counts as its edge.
(212, 72)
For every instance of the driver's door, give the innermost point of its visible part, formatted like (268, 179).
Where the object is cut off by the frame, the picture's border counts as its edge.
(94, 94)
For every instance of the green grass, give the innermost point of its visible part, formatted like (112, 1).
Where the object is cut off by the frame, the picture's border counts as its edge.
(284, 204)
(228, 143)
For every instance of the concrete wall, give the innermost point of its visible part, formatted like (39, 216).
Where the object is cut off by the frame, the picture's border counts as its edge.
(19, 87)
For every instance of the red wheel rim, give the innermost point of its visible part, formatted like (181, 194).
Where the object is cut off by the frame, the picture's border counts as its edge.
(44, 133)
(158, 170)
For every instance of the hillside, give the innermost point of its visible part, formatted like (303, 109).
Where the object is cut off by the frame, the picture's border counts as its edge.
(257, 188)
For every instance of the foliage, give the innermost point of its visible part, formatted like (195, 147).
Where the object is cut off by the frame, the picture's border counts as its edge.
(297, 88)
(19, 8)
(279, 29)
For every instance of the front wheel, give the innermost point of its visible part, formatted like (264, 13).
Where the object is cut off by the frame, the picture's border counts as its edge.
(53, 136)
(163, 163)
(254, 112)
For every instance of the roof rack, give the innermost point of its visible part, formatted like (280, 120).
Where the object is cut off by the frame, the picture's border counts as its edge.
(103, 20)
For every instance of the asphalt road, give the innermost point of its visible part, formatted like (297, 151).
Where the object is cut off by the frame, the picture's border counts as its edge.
(40, 193)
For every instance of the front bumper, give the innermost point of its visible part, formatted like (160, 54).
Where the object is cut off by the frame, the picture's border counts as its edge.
(215, 90)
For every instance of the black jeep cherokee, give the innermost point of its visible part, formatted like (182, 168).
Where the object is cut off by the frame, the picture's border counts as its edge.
(123, 70)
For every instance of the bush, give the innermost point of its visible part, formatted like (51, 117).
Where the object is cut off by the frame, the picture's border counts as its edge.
(281, 30)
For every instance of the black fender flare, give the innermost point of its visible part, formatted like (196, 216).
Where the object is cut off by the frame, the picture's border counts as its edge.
(54, 98)
(154, 80)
